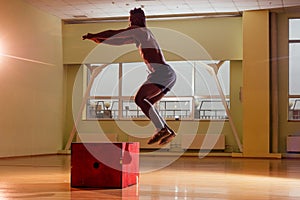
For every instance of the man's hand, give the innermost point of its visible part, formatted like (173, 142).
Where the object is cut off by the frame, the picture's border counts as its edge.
(92, 37)
(87, 36)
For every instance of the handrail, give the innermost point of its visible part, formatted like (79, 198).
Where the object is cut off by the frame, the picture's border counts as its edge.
(200, 113)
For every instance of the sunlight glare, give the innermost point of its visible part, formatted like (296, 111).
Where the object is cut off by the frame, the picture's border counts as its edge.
(1, 48)
(1, 51)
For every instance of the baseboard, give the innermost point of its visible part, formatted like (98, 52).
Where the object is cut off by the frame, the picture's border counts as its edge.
(291, 155)
(269, 155)
(64, 152)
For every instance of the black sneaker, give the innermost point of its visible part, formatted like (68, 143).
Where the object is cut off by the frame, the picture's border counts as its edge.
(164, 132)
(168, 138)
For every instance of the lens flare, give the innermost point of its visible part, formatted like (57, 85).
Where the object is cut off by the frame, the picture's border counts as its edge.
(26, 59)
(3, 54)
(1, 49)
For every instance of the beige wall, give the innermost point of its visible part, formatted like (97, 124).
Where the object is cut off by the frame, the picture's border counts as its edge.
(236, 106)
(220, 37)
(285, 127)
(256, 86)
(252, 73)
(32, 98)
(31, 81)
(256, 89)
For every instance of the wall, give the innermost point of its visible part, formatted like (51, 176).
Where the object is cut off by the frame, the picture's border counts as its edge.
(70, 72)
(31, 73)
(31, 81)
(236, 106)
(221, 37)
(285, 127)
(256, 86)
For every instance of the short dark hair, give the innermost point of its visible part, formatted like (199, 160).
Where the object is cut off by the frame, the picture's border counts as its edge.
(137, 17)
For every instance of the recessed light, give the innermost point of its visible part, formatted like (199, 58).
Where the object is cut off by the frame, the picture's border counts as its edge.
(79, 16)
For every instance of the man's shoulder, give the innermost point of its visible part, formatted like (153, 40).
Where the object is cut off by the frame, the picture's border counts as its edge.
(139, 31)
(137, 27)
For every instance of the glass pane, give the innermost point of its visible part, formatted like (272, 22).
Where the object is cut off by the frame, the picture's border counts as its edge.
(106, 83)
(210, 109)
(131, 110)
(134, 75)
(102, 108)
(183, 85)
(205, 84)
(294, 108)
(294, 68)
(294, 29)
(224, 77)
(176, 108)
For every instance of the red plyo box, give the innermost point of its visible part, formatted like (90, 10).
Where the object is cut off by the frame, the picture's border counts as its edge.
(104, 165)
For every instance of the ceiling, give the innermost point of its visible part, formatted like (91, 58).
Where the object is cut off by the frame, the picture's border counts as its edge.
(101, 9)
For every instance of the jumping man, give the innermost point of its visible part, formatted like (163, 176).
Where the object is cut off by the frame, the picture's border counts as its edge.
(162, 77)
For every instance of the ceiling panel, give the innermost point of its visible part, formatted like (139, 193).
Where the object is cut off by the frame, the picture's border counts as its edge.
(71, 9)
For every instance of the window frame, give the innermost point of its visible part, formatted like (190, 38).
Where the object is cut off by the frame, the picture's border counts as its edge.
(293, 99)
(110, 113)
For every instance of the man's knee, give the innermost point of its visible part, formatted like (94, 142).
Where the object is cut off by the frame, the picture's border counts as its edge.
(138, 101)
(142, 101)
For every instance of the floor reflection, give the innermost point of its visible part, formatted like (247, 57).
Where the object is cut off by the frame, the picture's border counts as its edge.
(48, 177)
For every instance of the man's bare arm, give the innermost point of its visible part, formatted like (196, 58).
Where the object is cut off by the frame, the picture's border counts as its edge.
(112, 37)
(118, 41)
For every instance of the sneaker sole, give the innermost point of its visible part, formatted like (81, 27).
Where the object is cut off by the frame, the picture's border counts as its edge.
(167, 139)
(157, 138)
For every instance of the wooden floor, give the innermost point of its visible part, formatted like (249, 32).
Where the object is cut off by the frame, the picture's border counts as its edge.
(210, 178)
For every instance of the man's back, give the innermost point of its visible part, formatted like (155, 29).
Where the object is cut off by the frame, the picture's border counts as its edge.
(148, 47)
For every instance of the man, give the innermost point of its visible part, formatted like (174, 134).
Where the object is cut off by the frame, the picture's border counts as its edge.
(162, 77)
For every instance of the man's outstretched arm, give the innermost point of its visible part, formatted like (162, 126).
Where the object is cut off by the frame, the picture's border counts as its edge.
(112, 37)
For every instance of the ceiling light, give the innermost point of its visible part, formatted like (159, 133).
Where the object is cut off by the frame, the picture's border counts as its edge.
(79, 16)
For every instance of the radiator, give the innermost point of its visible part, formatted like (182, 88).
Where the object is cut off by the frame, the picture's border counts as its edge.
(203, 141)
(293, 143)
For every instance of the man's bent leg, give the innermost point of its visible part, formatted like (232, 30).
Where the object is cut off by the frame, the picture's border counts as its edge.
(162, 131)
(151, 94)
(155, 117)
(146, 92)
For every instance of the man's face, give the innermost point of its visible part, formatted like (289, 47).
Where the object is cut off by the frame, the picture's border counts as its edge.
(129, 20)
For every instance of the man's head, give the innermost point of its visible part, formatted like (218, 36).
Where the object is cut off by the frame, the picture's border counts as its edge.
(137, 17)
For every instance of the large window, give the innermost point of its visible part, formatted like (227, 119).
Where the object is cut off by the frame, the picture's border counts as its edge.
(294, 69)
(194, 96)
(106, 83)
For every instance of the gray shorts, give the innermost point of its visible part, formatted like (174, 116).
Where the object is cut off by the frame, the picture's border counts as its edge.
(163, 76)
